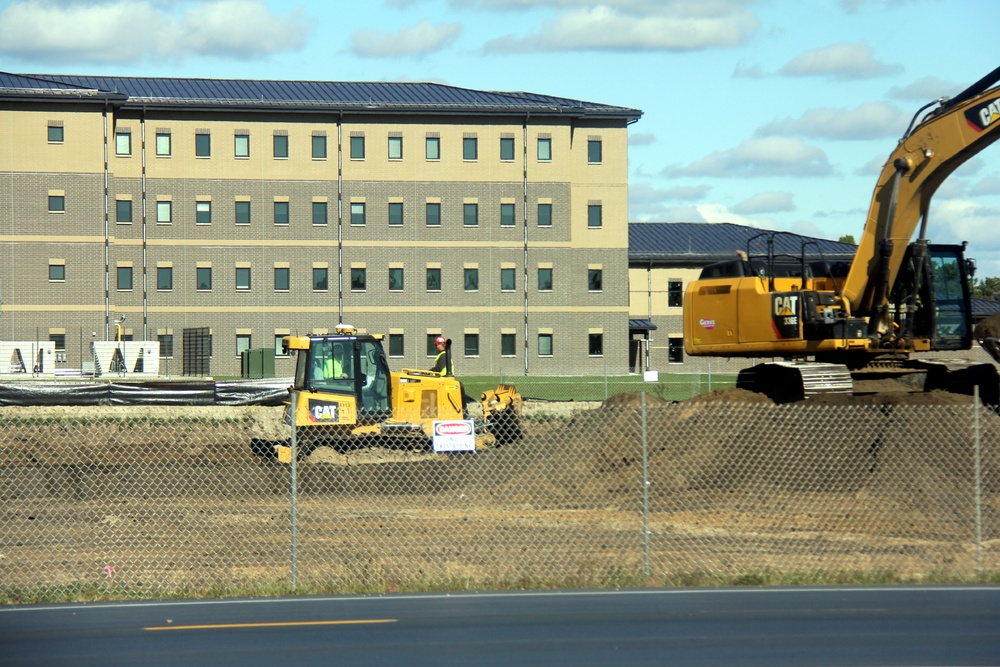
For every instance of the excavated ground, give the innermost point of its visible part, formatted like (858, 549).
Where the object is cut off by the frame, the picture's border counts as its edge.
(735, 481)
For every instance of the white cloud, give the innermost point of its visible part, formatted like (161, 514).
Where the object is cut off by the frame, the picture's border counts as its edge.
(839, 61)
(988, 185)
(766, 202)
(925, 89)
(641, 139)
(769, 156)
(126, 31)
(874, 120)
(419, 40)
(635, 26)
(957, 220)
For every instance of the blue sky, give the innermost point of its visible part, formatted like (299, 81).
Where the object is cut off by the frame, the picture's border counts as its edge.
(776, 114)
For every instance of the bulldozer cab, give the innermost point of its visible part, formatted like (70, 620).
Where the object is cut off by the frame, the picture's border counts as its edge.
(348, 365)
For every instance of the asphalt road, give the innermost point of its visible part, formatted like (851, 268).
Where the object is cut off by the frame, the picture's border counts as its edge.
(900, 625)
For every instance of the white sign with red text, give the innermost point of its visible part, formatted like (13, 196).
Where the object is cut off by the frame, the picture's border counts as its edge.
(455, 435)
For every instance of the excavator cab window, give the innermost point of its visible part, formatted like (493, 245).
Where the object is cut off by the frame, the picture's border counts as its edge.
(375, 381)
(331, 365)
(949, 281)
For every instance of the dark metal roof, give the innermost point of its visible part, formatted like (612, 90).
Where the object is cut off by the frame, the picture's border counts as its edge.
(370, 97)
(641, 325)
(984, 308)
(699, 243)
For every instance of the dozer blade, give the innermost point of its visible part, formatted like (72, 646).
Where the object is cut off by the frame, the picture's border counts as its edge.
(502, 413)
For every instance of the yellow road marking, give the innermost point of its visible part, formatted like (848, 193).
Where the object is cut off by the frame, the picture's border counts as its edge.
(285, 624)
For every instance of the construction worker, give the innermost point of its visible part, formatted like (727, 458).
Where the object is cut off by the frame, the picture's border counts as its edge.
(334, 367)
(443, 365)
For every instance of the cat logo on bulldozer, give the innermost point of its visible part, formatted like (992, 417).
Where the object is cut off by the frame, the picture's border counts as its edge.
(325, 412)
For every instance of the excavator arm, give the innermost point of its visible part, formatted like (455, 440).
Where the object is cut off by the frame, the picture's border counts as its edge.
(927, 154)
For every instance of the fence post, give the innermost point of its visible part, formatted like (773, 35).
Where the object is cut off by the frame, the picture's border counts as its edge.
(978, 482)
(294, 493)
(645, 485)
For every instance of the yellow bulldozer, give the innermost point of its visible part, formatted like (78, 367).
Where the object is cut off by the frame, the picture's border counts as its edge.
(345, 396)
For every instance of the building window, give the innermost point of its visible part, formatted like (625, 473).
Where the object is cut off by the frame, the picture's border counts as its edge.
(242, 213)
(123, 210)
(319, 147)
(166, 342)
(594, 151)
(164, 212)
(395, 279)
(357, 213)
(57, 204)
(433, 214)
(545, 280)
(56, 134)
(433, 148)
(243, 277)
(431, 347)
(506, 148)
(472, 280)
(319, 213)
(594, 216)
(280, 146)
(508, 280)
(675, 293)
(242, 343)
(508, 345)
(395, 345)
(433, 280)
(595, 344)
(164, 278)
(281, 213)
(163, 148)
(124, 278)
(359, 279)
(59, 340)
(472, 345)
(57, 273)
(470, 148)
(242, 145)
(395, 148)
(282, 279)
(545, 345)
(279, 348)
(395, 214)
(204, 278)
(471, 215)
(320, 279)
(507, 213)
(595, 280)
(675, 350)
(203, 213)
(203, 145)
(357, 148)
(545, 215)
(123, 143)
(544, 149)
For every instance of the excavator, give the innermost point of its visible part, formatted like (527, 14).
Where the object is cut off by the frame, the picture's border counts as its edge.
(345, 396)
(827, 324)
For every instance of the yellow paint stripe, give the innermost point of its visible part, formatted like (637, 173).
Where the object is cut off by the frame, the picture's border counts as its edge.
(223, 626)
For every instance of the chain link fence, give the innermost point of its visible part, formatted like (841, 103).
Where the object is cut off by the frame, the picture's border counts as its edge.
(149, 502)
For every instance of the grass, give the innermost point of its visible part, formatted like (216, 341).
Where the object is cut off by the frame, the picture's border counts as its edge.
(612, 578)
(675, 387)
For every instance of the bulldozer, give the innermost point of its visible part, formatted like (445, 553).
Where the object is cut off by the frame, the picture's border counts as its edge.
(345, 396)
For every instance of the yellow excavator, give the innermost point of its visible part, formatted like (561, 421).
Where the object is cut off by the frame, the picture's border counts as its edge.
(833, 323)
(345, 396)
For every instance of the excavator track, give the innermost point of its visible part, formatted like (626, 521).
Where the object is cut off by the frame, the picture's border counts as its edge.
(790, 381)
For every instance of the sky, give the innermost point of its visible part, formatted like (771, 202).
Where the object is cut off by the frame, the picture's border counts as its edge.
(777, 114)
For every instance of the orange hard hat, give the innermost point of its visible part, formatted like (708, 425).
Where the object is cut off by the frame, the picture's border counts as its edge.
(440, 340)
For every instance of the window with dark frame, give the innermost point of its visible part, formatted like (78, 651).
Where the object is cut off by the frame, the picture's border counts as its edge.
(242, 213)
(545, 345)
(319, 213)
(544, 149)
(123, 210)
(675, 350)
(545, 215)
(396, 345)
(433, 212)
(124, 278)
(508, 345)
(57, 204)
(358, 213)
(204, 278)
(395, 148)
(470, 217)
(595, 280)
(282, 279)
(359, 279)
(472, 345)
(471, 279)
(56, 134)
(594, 151)
(279, 145)
(164, 278)
(432, 148)
(470, 148)
(395, 214)
(202, 145)
(545, 279)
(508, 214)
(163, 144)
(321, 279)
(595, 344)
(281, 213)
(675, 293)
(319, 147)
(507, 148)
(594, 216)
(433, 280)
(241, 145)
(358, 148)
(203, 213)
(57, 273)
(396, 279)
(508, 280)
(243, 278)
